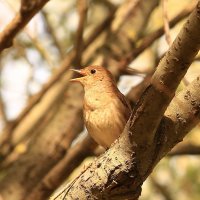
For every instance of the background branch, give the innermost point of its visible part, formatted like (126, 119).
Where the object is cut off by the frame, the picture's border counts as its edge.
(27, 11)
(82, 10)
(185, 149)
(149, 39)
(63, 169)
(166, 22)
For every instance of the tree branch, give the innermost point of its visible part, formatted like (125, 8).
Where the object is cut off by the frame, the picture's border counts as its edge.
(27, 10)
(164, 82)
(166, 22)
(79, 45)
(150, 38)
(185, 149)
(44, 149)
(181, 116)
(5, 147)
(52, 33)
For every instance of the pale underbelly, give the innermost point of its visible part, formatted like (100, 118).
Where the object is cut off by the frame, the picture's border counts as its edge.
(106, 128)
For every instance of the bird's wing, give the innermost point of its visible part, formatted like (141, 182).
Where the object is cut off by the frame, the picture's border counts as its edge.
(125, 103)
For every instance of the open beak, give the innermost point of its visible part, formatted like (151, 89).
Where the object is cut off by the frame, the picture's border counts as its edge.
(79, 72)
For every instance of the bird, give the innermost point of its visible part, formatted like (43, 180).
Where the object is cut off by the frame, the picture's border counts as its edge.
(105, 109)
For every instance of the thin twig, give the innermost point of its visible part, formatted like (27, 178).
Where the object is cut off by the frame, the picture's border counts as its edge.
(52, 33)
(79, 46)
(185, 81)
(185, 149)
(2, 106)
(166, 22)
(36, 43)
(130, 7)
(197, 58)
(22, 53)
(42, 50)
(101, 27)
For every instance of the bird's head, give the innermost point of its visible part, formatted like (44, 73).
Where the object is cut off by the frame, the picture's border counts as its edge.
(93, 76)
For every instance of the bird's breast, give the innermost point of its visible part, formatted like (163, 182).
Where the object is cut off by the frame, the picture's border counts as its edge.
(105, 123)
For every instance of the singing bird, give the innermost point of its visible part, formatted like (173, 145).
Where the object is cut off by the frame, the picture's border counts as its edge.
(105, 108)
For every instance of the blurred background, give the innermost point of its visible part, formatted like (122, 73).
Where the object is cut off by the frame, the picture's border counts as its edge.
(40, 111)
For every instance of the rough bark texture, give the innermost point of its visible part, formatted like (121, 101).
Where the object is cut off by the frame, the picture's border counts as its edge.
(120, 172)
(109, 177)
(164, 82)
(181, 116)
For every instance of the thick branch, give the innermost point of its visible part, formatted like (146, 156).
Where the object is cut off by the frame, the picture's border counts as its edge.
(181, 116)
(164, 82)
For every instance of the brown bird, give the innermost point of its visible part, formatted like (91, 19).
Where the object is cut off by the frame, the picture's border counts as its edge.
(105, 108)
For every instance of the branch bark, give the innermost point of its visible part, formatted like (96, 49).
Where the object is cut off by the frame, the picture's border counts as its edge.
(164, 82)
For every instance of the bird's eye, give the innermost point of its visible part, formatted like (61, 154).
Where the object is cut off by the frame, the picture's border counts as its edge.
(93, 71)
